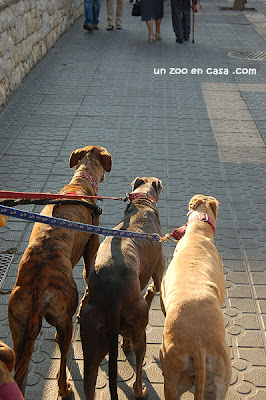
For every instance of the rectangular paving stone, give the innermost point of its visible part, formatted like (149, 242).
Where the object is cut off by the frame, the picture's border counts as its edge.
(238, 290)
(251, 339)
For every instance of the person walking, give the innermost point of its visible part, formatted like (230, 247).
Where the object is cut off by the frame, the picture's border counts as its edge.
(92, 10)
(152, 10)
(181, 19)
(110, 14)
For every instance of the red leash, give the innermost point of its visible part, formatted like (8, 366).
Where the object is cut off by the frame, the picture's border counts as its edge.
(5, 194)
(178, 233)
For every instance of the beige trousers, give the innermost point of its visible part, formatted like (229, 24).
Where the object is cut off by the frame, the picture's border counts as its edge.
(110, 11)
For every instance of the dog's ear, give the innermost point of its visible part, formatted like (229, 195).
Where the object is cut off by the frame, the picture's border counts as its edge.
(102, 154)
(195, 202)
(214, 205)
(75, 156)
(136, 183)
(106, 159)
(157, 185)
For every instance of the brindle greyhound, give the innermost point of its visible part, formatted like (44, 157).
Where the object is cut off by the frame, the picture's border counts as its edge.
(45, 286)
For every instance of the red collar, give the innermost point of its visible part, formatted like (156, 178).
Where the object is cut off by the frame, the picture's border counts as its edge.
(133, 196)
(202, 217)
(86, 175)
(179, 232)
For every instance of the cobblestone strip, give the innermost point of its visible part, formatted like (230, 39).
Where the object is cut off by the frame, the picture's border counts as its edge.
(237, 136)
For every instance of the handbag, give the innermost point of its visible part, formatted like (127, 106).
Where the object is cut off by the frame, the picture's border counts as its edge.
(136, 10)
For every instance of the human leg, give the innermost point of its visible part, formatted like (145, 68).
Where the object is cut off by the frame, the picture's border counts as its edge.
(150, 29)
(110, 14)
(186, 18)
(157, 29)
(119, 13)
(96, 11)
(88, 5)
(177, 19)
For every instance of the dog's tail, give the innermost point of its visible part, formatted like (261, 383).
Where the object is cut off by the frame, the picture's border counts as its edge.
(114, 323)
(26, 347)
(200, 373)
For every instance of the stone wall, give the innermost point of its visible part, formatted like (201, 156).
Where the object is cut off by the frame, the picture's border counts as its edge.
(28, 28)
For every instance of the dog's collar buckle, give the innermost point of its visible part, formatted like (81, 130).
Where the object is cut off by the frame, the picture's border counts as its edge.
(204, 218)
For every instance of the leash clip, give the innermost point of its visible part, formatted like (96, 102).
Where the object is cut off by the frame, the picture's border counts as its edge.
(166, 237)
(126, 198)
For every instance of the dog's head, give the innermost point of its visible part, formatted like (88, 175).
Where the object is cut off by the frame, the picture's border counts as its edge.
(90, 152)
(204, 204)
(147, 185)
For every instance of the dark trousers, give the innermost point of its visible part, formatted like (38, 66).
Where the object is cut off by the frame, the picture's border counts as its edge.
(181, 18)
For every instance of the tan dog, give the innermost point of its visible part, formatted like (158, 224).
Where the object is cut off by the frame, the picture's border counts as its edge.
(194, 350)
(123, 267)
(45, 286)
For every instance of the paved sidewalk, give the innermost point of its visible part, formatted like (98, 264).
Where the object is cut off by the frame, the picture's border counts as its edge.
(199, 133)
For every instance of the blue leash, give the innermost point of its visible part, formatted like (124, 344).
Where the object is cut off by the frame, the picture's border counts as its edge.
(63, 223)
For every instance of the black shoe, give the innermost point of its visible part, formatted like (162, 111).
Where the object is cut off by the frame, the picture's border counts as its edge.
(88, 27)
(179, 40)
(186, 38)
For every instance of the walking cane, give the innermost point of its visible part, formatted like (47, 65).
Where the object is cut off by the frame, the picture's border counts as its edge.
(193, 26)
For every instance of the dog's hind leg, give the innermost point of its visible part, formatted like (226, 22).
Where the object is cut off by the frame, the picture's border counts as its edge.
(150, 293)
(126, 344)
(64, 335)
(139, 345)
(169, 390)
(217, 389)
(155, 286)
(25, 325)
(22, 356)
(95, 345)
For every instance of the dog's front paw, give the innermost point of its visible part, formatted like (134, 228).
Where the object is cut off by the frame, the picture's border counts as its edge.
(65, 391)
(139, 393)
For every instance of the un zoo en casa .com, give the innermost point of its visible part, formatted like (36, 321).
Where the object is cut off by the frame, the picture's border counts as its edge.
(201, 71)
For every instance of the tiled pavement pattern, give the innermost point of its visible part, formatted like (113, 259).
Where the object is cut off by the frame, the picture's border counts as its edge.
(198, 133)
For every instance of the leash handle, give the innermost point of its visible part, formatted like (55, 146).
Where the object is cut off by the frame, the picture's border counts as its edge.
(2, 220)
